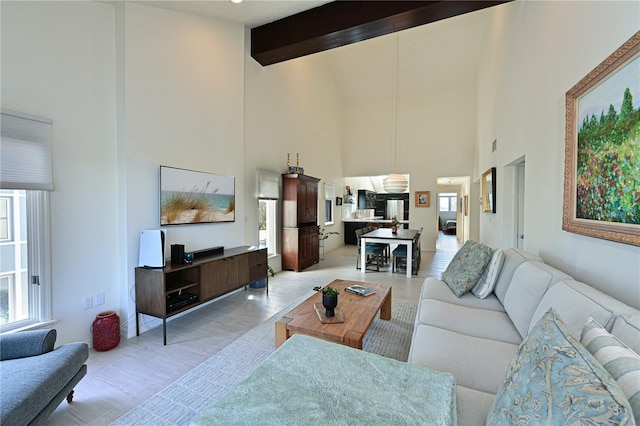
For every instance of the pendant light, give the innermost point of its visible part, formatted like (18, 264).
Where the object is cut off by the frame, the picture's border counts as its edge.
(396, 182)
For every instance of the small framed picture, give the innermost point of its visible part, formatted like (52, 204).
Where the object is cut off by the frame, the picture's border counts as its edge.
(423, 199)
(489, 191)
(338, 201)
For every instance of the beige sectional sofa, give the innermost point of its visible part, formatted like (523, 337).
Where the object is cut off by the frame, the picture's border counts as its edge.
(475, 339)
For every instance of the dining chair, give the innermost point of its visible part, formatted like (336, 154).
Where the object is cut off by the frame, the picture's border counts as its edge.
(399, 255)
(373, 251)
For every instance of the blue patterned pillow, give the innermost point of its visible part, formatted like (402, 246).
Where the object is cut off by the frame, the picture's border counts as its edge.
(553, 379)
(466, 267)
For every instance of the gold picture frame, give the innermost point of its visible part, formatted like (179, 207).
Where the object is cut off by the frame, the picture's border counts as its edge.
(600, 191)
(489, 191)
(423, 198)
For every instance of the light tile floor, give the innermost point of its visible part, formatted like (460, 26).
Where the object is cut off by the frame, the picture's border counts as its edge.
(119, 379)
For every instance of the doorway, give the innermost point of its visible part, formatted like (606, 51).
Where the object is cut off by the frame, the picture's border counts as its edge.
(514, 203)
(453, 204)
(520, 168)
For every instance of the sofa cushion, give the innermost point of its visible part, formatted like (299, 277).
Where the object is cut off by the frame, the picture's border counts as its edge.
(529, 283)
(512, 259)
(483, 323)
(436, 289)
(553, 379)
(466, 267)
(473, 405)
(475, 362)
(486, 283)
(626, 327)
(575, 302)
(619, 361)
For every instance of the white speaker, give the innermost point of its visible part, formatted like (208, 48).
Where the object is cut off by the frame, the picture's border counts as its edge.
(152, 248)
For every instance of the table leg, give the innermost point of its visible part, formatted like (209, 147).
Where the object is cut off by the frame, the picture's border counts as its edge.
(363, 255)
(409, 258)
(164, 331)
(282, 333)
(353, 339)
(385, 309)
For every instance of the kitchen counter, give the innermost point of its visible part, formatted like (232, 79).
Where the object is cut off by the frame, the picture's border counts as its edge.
(375, 219)
(353, 224)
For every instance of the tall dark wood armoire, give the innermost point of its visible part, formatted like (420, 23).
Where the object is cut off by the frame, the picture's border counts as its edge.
(300, 244)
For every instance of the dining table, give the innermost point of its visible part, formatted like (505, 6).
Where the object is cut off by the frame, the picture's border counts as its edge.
(387, 236)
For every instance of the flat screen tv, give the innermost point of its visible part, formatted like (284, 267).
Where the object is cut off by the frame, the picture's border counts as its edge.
(188, 196)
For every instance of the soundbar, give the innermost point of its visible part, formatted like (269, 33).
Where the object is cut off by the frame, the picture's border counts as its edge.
(208, 252)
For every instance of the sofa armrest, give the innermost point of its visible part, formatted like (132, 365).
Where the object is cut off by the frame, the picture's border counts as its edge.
(26, 343)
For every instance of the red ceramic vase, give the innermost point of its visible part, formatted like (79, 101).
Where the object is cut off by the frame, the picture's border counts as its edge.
(106, 331)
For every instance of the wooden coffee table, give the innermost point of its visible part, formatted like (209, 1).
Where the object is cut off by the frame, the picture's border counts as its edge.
(359, 313)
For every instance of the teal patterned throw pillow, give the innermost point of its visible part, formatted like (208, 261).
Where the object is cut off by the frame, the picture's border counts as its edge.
(554, 380)
(466, 267)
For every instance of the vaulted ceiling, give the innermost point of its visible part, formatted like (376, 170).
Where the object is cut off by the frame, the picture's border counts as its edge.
(438, 56)
(340, 23)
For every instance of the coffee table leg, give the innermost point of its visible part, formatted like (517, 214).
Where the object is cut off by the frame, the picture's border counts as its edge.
(282, 333)
(385, 309)
(354, 339)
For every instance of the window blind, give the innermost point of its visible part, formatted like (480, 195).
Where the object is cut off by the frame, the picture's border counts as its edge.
(329, 191)
(25, 152)
(268, 185)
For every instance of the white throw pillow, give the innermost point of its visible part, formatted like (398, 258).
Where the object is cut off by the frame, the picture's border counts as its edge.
(621, 362)
(486, 283)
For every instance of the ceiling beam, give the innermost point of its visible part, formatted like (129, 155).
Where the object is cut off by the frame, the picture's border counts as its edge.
(340, 23)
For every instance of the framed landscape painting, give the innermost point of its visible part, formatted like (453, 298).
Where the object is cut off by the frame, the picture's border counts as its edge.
(602, 149)
(188, 196)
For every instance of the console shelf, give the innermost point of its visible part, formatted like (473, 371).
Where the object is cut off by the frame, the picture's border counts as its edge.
(164, 292)
(183, 285)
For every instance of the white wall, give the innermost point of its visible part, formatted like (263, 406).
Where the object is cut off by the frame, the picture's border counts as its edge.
(535, 52)
(183, 107)
(58, 62)
(292, 107)
(129, 88)
(436, 137)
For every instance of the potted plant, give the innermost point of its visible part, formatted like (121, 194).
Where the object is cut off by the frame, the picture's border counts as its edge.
(394, 224)
(324, 234)
(329, 299)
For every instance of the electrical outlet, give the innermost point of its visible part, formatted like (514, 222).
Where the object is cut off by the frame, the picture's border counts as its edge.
(87, 302)
(99, 299)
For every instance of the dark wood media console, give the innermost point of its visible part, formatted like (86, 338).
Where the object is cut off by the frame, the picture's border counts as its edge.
(164, 292)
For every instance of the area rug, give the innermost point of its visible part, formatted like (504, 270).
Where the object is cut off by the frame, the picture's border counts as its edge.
(191, 394)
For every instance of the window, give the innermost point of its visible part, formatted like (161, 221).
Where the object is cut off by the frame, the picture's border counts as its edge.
(24, 253)
(26, 176)
(268, 197)
(329, 199)
(448, 202)
(267, 225)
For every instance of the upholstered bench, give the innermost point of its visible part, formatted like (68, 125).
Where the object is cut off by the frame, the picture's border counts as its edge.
(310, 381)
(35, 378)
